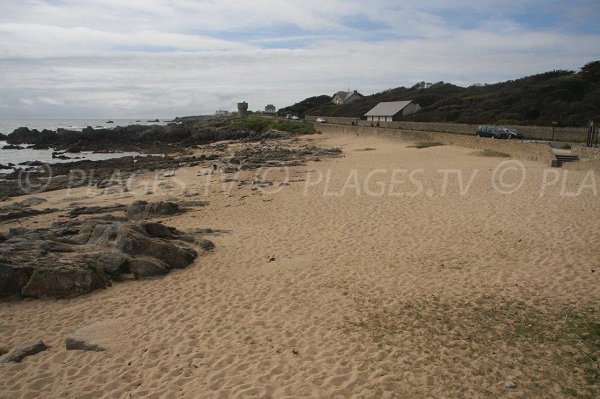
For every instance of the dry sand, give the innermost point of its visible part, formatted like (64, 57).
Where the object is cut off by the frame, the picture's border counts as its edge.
(315, 295)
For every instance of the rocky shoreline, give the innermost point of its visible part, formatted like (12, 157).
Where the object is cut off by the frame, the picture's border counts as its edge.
(88, 247)
(179, 146)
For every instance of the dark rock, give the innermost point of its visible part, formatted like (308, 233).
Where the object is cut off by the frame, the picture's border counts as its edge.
(21, 352)
(93, 210)
(32, 163)
(147, 267)
(145, 210)
(13, 278)
(33, 201)
(41, 146)
(205, 244)
(17, 206)
(74, 342)
(23, 135)
(2, 137)
(74, 258)
(112, 263)
(25, 213)
(62, 282)
(107, 183)
(5, 167)
(12, 147)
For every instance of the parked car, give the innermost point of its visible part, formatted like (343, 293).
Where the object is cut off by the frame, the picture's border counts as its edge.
(295, 118)
(515, 134)
(493, 131)
(320, 120)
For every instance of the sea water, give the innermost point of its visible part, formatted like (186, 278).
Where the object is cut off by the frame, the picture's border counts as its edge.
(25, 154)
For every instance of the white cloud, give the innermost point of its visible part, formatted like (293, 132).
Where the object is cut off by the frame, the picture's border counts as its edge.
(165, 58)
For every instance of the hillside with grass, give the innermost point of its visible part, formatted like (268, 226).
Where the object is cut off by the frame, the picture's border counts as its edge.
(568, 97)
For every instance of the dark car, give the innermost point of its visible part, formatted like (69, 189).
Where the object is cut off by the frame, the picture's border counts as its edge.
(492, 131)
(498, 132)
(515, 134)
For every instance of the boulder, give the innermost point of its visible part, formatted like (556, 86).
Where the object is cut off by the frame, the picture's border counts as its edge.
(73, 258)
(13, 278)
(144, 210)
(62, 282)
(147, 267)
(74, 342)
(21, 352)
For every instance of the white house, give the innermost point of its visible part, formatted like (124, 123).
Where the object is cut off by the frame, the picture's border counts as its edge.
(391, 111)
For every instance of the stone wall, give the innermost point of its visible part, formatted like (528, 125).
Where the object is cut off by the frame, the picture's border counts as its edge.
(574, 134)
(525, 151)
(586, 152)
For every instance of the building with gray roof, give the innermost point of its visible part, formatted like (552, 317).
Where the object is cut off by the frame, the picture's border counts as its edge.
(389, 111)
(345, 97)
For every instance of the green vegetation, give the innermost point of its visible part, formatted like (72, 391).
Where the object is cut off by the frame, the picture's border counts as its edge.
(589, 333)
(365, 149)
(568, 97)
(492, 153)
(261, 124)
(426, 144)
(304, 106)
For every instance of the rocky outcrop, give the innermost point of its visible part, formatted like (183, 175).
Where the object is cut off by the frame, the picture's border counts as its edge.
(133, 136)
(74, 258)
(94, 210)
(21, 352)
(139, 210)
(12, 147)
(23, 135)
(25, 213)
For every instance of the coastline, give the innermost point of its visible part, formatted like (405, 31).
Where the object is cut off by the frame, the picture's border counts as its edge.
(318, 287)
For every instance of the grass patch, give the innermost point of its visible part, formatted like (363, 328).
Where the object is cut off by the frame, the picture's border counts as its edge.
(559, 344)
(589, 355)
(492, 153)
(3, 350)
(426, 144)
(365, 149)
(260, 124)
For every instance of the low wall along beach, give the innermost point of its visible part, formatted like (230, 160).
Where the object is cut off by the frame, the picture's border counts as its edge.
(573, 134)
(516, 149)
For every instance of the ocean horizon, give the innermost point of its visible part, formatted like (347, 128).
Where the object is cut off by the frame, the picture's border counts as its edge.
(7, 126)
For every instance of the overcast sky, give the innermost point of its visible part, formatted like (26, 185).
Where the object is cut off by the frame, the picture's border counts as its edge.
(166, 58)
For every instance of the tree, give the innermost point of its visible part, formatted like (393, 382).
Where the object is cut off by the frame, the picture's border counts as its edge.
(591, 72)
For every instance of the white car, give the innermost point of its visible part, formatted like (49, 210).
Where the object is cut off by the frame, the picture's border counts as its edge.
(320, 120)
(295, 118)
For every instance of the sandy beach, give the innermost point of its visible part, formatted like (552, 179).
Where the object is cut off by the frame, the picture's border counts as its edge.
(390, 272)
